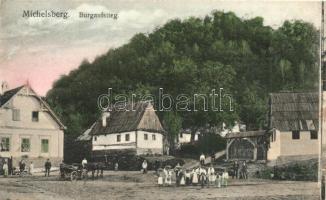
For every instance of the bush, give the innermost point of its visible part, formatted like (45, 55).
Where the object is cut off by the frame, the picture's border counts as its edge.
(296, 171)
(207, 144)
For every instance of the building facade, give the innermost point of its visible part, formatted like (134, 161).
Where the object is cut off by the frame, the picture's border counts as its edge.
(29, 129)
(133, 130)
(293, 122)
(292, 132)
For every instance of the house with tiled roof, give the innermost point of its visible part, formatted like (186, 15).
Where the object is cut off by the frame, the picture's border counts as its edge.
(29, 129)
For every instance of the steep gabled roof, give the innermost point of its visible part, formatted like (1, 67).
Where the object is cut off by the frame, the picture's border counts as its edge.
(128, 119)
(294, 111)
(8, 95)
(86, 135)
(11, 93)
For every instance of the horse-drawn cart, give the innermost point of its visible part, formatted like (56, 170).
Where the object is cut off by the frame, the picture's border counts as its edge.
(72, 172)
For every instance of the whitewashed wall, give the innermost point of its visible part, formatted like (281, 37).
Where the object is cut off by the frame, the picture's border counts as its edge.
(286, 146)
(150, 145)
(109, 141)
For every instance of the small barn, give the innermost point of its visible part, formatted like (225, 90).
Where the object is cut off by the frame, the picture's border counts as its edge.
(293, 123)
(292, 131)
(249, 145)
(136, 129)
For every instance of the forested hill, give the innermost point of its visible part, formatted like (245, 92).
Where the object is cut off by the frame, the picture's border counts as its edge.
(246, 58)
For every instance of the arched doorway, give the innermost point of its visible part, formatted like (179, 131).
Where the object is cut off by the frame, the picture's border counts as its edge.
(241, 149)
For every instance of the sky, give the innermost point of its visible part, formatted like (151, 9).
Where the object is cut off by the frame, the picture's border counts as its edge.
(40, 50)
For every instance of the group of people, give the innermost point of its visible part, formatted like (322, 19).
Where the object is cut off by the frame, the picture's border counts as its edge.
(22, 169)
(240, 170)
(196, 176)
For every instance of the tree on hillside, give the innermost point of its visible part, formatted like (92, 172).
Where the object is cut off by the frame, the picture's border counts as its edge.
(242, 56)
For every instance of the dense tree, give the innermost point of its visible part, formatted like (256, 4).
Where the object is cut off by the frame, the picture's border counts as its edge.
(246, 58)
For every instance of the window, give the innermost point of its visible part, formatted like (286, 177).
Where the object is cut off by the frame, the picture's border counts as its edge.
(35, 116)
(127, 137)
(145, 136)
(25, 145)
(118, 138)
(45, 146)
(5, 144)
(16, 115)
(153, 137)
(313, 135)
(295, 135)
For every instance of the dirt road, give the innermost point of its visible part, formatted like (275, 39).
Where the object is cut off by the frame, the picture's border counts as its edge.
(134, 185)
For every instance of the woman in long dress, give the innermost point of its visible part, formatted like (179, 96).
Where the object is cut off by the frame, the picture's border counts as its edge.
(5, 169)
(225, 178)
(218, 180)
(211, 175)
(169, 179)
(182, 178)
(195, 176)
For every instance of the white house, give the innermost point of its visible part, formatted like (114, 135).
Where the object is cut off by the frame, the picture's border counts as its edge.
(136, 130)
(185, 136)
(293, 119)
(29, 129)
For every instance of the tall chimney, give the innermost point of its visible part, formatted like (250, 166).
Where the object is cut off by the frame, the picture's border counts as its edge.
(4, 87)
(105, 116)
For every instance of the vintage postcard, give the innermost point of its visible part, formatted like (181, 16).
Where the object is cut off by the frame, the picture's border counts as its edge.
(162, 99)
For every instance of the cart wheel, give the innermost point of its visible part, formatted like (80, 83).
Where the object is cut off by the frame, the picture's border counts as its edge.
(73, 176)
(62, 176)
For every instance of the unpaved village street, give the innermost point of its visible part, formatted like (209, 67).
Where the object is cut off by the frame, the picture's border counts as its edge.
(134, 185)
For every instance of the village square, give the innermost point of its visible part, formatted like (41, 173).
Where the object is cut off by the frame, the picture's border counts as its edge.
(129, 152)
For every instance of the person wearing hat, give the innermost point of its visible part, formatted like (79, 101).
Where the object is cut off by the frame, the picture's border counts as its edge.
(177, 170)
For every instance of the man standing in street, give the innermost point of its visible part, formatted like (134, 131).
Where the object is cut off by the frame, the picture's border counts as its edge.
(144, 166)
(235, 170)
(84, 163)
(47, 167)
